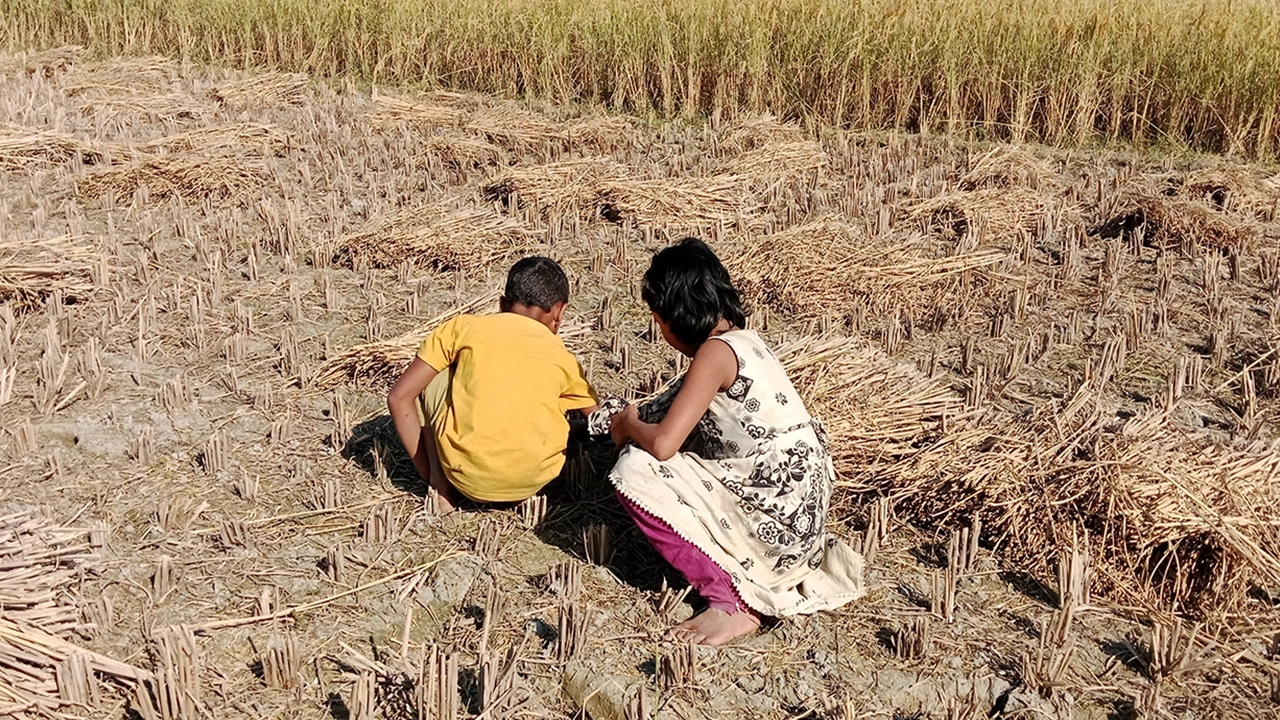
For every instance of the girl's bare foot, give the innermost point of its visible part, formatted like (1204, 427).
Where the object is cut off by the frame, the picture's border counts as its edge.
(714, 627)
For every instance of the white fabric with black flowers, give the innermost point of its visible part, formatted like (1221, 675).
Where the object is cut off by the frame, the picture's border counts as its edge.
(751, 488)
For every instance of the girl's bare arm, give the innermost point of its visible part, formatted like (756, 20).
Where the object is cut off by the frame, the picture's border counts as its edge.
(714, 368)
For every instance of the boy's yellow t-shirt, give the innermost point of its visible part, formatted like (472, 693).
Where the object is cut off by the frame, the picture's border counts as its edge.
(502, 433)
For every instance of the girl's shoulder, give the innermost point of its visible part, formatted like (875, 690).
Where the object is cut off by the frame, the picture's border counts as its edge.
(748, 341)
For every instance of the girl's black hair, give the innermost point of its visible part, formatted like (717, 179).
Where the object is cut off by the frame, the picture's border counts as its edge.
(691, 291)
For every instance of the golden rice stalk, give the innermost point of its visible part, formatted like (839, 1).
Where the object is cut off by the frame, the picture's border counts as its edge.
(222, 179)
(1009, 166)
(439, 237)
(679, 203)
(21, 146)
(262, 89)
(32, 269)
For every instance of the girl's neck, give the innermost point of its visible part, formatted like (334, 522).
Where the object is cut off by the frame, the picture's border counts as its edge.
(721, 328)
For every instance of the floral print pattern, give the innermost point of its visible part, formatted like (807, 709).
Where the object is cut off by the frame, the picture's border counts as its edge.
(754, 479)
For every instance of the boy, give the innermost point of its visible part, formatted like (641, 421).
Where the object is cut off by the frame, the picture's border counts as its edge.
(494, 391)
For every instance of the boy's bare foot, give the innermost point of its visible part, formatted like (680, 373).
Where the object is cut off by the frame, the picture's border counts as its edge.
(437, 504)
(714, 627)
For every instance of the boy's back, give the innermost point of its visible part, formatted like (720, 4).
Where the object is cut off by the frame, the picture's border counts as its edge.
(502, 431)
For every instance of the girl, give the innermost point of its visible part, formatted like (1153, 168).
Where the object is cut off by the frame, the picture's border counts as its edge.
(726, 473)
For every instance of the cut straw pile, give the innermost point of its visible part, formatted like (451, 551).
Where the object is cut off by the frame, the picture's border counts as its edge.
(438, 237)
(391, 111)
(20, 147)
(257, 138)
(769, 164)
(876, 410)
(45, 63)
(1216, 208)
(1197, 524)
(269, 88)
(140, 86)
(219, 178)
(754, 132)
(461, 153)
(828, 268)
(379, 363)
(32, 269)
(677, 204)
(1010, 167)
(42, 673)
(570, 186)
(516, 129)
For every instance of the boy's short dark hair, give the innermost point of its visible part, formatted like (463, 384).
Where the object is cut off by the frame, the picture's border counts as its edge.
(537, 282)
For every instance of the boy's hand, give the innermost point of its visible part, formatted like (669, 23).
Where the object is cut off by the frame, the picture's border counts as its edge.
(618, 426)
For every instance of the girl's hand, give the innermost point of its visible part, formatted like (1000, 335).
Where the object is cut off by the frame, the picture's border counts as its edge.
(618, 426)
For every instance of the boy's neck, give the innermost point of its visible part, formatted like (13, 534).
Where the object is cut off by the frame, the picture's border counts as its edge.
(549, 318)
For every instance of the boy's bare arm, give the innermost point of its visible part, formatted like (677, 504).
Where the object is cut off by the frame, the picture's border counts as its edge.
(404, 414)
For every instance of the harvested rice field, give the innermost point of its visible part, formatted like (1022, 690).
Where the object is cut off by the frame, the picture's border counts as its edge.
(1051, 380)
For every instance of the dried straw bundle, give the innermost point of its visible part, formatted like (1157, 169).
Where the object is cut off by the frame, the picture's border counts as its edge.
(750, 133)
(269, 88)
(380, 363)
(827, 269)
(993, 215)
(1009, 167)
(41, 673)
(768, 164)
(45, 62)
(1194, 523)
(391, 111)
(127, 75)
(220, 178)
(1177, 223)
(801, 271)
(604, 134)
(460, 153)
(679, 203)
(158, 107)
(142, 86)
(1237, 190)
(439, 237)
(876, 410)
(32, 269)
(1184, 520)
(516, 129)
(568, 186)
(259, 138)
(21, 146)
